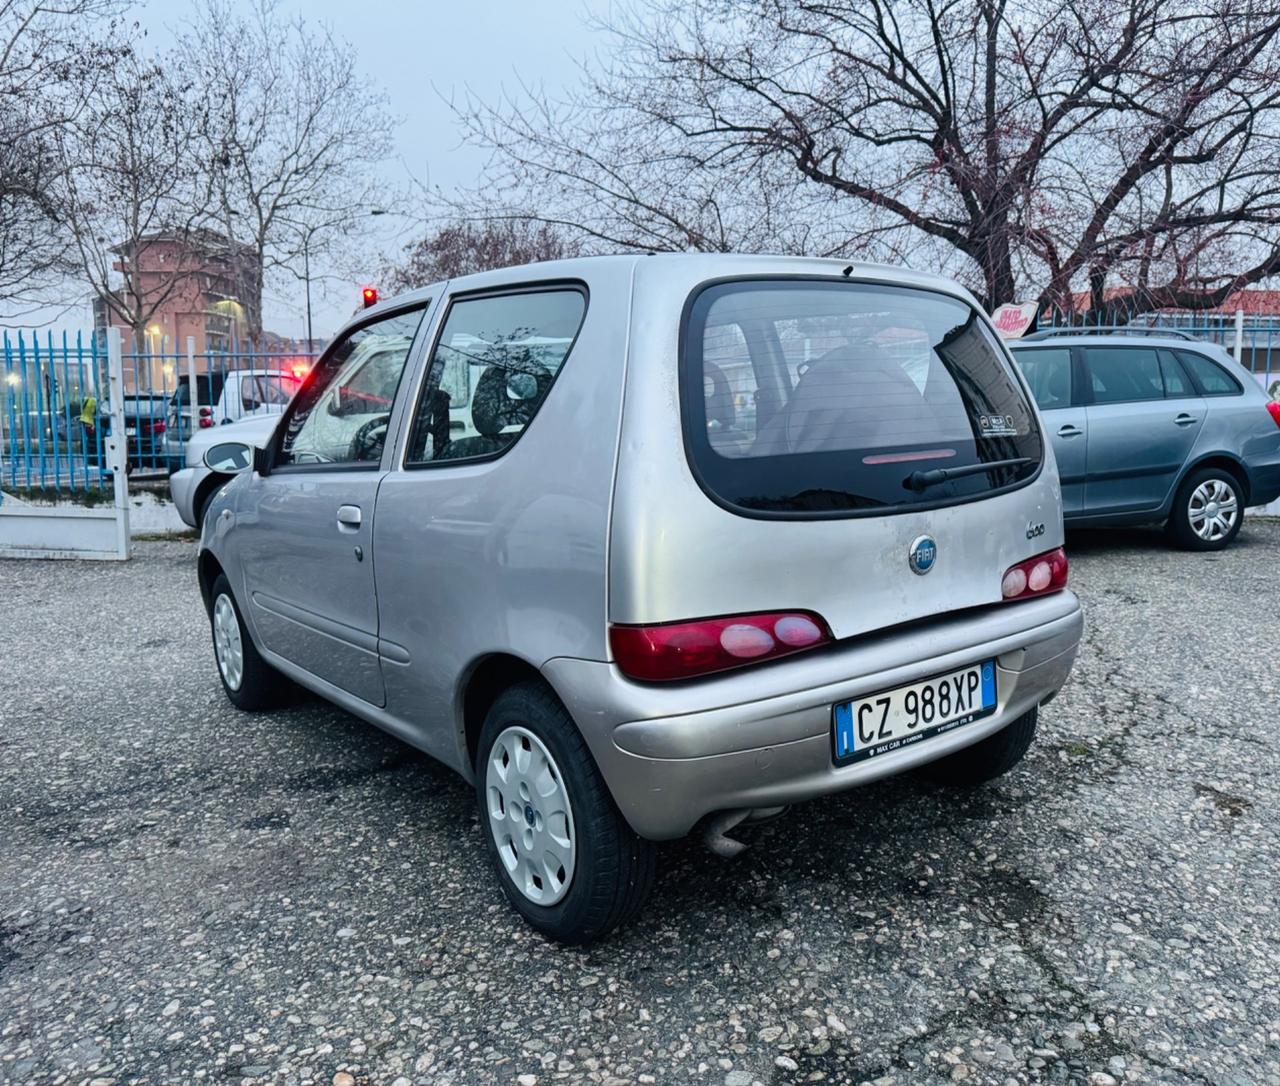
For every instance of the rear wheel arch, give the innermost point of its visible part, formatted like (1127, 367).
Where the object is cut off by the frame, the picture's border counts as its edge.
(1221, 461)
(484, 681)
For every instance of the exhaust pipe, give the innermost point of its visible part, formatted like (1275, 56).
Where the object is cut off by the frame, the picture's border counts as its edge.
(715, 834)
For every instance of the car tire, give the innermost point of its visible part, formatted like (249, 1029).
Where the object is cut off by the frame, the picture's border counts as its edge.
(250, 682)
(1208, 510)
(988, 758)
(538, 791)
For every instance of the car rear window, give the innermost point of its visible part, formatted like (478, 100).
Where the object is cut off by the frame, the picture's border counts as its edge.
(811, 398)
(1214, 380)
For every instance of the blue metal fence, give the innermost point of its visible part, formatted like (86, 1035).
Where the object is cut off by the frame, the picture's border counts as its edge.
(53, 415)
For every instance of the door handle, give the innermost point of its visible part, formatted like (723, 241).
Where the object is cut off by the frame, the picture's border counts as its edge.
(348, 518)
(1070, 431)
(1184, 419)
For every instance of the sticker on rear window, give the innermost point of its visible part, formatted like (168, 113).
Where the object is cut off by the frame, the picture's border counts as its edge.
(997, 426)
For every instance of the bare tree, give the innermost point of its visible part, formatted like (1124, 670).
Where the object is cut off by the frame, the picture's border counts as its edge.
(1031, 149)
(129, 191)
(291, 136)
(460, 248)
(51, 53)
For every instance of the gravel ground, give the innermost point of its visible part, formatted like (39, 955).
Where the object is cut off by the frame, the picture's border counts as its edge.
(188, 893)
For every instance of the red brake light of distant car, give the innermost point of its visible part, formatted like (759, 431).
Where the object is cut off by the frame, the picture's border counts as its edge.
(157, 427)
(684, 650)
(206, 412)
(1036, 576)
(300, 370)
(205, 423)
(369, 295)
(1274, 408)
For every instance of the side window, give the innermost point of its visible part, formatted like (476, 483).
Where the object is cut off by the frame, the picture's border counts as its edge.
(494, 361)
(1176, 382)
(1213, 379)
(341, 414)
(250, 393)
(1048, 372)
(1124, 374)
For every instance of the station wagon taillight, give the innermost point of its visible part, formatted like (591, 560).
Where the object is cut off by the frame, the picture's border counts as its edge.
(1274, 408)
(685, 650)
(1036, 576)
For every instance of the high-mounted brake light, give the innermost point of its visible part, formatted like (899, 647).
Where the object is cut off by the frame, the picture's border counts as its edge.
(1274, 408)
(1036, 576)
(684, 650)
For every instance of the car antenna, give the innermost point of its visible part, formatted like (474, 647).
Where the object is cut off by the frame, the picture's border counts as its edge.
(848, 271)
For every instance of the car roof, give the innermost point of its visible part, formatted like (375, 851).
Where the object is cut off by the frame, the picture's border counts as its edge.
(707, 265)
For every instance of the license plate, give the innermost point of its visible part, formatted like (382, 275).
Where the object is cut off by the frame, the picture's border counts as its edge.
(894, 719)
(130, 431)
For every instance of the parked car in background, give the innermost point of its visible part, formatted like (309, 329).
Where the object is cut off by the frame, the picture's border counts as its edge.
(193, 487)
(225, 396)
(715, 535)
(146, 422)
(1154, 427)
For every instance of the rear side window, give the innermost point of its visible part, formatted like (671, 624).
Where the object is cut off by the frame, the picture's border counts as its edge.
(208, 389)
(1213, 379)
(1176, 383)
(1048, 372)
(1124, 374)
(809, 398)
(491, 369)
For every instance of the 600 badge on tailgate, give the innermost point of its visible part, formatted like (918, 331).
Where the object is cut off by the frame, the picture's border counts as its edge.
(897, 718)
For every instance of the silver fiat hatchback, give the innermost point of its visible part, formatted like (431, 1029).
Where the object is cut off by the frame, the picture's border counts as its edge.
(644, 545)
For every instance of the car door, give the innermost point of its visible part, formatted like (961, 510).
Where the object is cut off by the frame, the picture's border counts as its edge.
(1051, 374)
(1143, 418)
(306, 527)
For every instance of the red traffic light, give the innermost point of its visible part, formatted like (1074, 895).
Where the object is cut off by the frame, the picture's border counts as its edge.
(369, 296)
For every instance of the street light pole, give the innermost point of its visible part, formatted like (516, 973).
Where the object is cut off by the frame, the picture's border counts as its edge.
(306, 274)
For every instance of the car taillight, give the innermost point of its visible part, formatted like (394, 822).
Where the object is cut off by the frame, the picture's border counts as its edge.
(1274, 408)
(205, 423)
(157, 427)
(683, 650)
(206, 412)
(1036, 576)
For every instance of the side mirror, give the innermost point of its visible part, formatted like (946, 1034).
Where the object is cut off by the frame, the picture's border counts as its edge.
(229, 457)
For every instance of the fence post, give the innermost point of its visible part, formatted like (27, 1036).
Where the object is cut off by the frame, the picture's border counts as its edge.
(117, 444)
(1240, 336)
(192, 399)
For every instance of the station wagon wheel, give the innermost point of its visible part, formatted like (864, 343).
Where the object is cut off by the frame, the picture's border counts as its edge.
(566, 858)
(1213, 510)
(530, 816)
(1208, 510)
(249, 681)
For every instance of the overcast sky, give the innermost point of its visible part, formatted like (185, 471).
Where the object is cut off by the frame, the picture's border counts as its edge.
(414, 49)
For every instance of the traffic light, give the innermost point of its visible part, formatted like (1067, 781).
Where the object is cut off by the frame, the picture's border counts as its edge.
(369, 295)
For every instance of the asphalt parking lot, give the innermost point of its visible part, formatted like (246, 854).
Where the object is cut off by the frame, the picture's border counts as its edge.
(191, 894)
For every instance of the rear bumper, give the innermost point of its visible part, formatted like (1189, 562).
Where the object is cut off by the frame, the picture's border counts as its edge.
(762, 737)
(1264, 483)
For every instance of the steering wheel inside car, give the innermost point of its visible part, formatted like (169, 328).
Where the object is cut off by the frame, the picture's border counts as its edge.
(368, 441)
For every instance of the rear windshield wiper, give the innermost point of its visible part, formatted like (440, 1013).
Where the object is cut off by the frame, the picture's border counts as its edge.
(922, 480)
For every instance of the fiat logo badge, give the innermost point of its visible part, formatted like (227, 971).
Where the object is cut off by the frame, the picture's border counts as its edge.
(922, 555)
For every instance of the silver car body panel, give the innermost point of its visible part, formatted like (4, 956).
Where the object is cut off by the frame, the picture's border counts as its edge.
(594, 516)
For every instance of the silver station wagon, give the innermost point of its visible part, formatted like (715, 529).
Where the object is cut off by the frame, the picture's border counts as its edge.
(644, 545)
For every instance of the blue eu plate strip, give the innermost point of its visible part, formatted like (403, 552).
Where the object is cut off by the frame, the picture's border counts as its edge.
(988, 685)
(844, 729)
